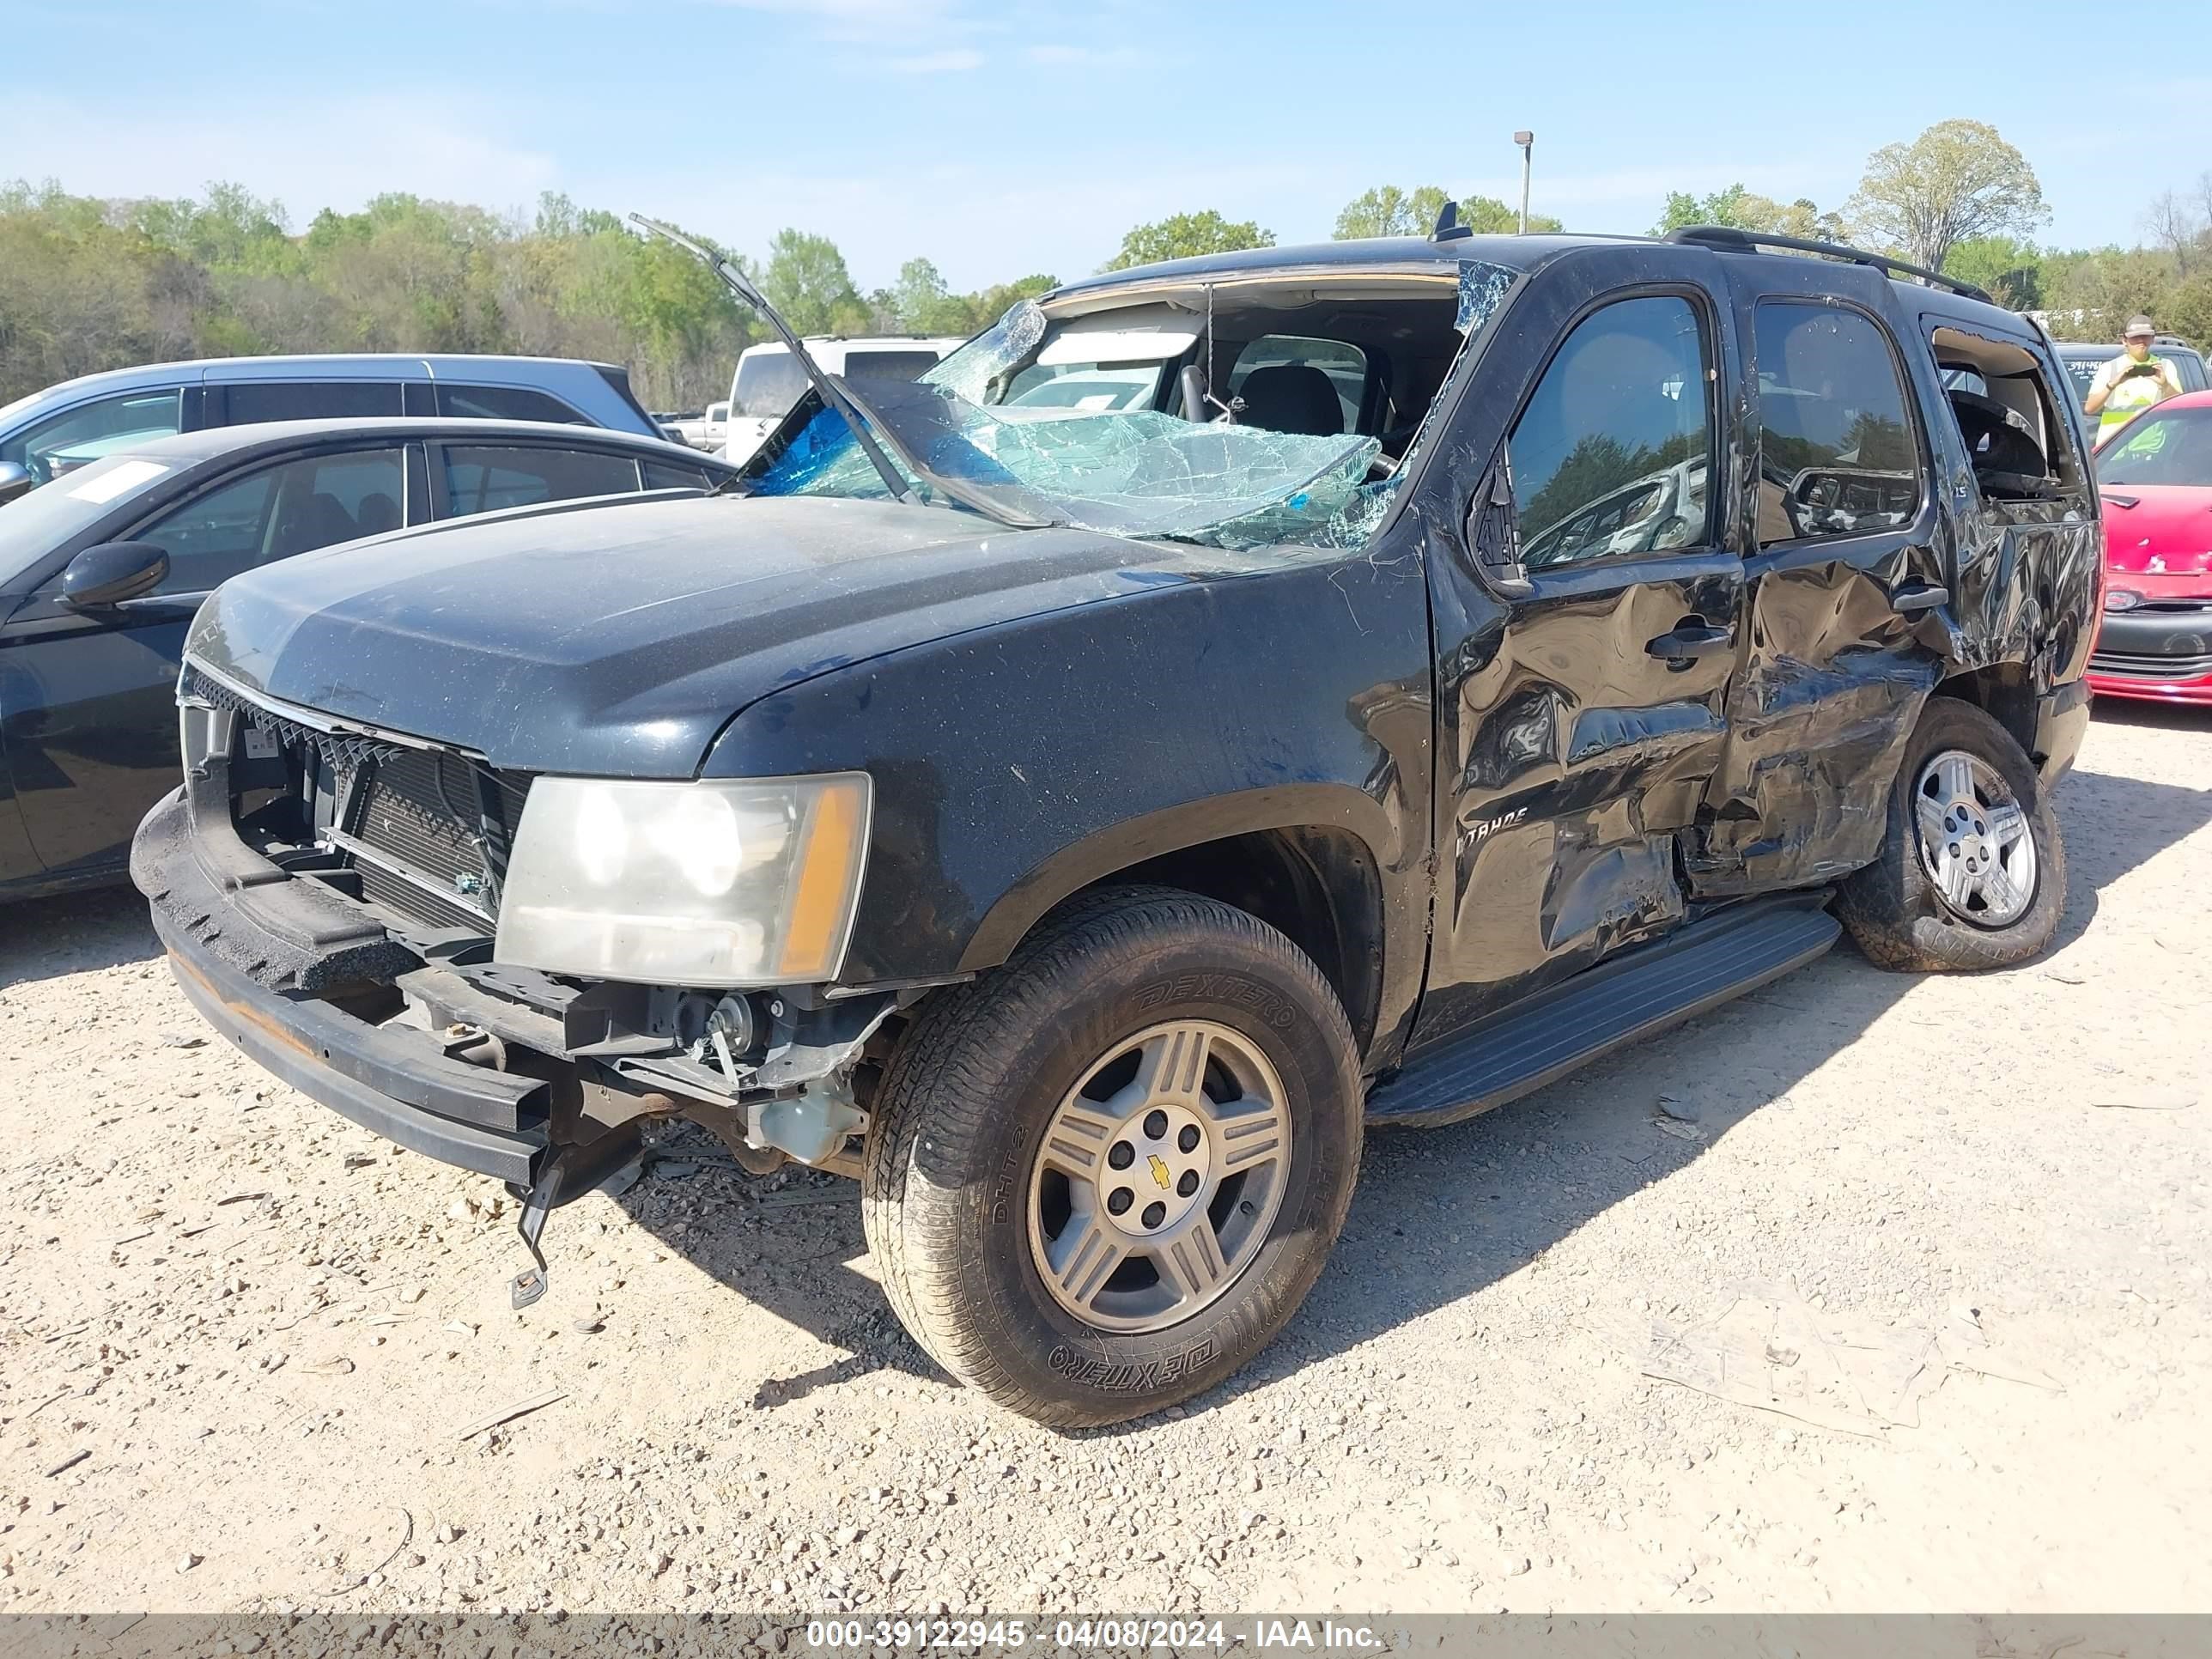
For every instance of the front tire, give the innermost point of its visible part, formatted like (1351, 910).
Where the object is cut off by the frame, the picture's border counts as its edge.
(1102, 1177)
(1973, 872)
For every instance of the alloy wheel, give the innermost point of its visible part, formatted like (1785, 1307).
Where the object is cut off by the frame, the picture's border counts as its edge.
(1159, 1176)
(1976, 843)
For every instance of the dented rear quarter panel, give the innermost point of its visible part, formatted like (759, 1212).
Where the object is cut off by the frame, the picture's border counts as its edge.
(2027, 575)
(1832, 679)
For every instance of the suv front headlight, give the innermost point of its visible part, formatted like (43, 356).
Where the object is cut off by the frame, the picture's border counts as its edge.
(722, 883)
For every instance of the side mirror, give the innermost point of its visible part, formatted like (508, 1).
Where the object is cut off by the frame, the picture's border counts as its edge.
(15, 480)
(1493, 535)
(111, 573)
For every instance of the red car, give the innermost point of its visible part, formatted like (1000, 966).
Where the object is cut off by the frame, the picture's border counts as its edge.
(2156, 479)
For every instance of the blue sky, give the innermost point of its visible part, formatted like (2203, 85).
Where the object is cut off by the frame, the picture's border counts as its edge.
(1001, 139)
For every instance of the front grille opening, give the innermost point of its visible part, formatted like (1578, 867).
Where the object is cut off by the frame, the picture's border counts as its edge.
(419, 834)
(434, 837)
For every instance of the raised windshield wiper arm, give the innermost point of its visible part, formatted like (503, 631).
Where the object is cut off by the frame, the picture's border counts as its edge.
(958, 489)
(856, 414)
(832, 397)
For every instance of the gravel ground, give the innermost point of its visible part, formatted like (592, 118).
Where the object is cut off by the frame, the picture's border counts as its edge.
(1867, 1293)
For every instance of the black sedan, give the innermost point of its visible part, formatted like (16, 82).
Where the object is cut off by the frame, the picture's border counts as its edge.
(100, 573)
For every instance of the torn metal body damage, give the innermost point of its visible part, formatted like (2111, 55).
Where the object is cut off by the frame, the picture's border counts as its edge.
(1591, 792)
(1568, 604)
(385, 1003)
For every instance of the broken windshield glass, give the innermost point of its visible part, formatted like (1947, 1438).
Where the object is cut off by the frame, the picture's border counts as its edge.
(1129, 472)
(1482, 289)
(1138, 473)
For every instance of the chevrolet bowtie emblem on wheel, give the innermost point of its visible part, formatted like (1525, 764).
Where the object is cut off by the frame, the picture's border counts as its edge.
(1160, 1170)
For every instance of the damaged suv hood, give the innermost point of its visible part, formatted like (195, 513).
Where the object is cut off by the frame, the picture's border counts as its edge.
(618, 641)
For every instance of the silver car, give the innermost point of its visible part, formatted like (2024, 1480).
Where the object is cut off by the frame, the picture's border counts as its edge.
(77, 421)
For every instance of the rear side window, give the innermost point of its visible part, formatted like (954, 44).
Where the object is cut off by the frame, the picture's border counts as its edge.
(249, 403)
(1837, 455)
(505, 403)
(660, 475)
(484, 478)
(1612, 454)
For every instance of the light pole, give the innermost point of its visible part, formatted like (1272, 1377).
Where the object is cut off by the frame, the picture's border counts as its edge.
(1526, 140)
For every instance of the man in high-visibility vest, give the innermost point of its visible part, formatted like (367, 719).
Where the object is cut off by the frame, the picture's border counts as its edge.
(2131, 382)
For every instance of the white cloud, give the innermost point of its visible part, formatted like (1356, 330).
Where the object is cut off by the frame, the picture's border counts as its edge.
(958, 61)
(1058, 55)
(869, 22)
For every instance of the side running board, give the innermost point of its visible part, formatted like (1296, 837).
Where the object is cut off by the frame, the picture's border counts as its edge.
(1636, 994)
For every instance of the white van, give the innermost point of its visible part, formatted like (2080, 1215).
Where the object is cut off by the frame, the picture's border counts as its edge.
(769, 380)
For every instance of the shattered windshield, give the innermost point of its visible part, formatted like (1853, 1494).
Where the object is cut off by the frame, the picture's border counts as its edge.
(1088, 443)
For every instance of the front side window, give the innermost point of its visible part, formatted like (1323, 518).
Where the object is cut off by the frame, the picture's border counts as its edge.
(278, 511)
(77, 437)
(1612, 455)
(1838, 456)
(250, 403)
(484, 478)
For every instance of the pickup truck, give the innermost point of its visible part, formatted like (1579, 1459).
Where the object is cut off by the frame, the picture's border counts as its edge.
(708, 429)
(769, 378)
(1080, 821)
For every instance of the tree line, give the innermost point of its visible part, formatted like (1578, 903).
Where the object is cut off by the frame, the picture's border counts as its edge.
(1958, 199)
(94, 282)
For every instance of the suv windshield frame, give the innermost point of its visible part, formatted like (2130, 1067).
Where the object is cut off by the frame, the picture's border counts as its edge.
(1254, 487)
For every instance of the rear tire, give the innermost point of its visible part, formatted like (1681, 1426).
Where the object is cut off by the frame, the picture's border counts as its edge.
(1018, 1109)
(1946, 893)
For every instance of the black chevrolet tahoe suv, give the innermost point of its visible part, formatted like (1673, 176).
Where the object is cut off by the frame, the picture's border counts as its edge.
(1227, 705)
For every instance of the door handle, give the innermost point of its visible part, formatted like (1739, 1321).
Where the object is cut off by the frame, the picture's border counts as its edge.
(1911, 599)
(1692, 637)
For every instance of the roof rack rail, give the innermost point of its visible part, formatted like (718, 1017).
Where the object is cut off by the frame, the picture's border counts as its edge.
(1728, 237)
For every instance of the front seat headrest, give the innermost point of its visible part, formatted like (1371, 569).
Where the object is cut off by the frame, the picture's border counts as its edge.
(1295, 398)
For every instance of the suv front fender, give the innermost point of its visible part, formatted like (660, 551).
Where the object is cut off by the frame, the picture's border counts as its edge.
(1016, 764)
